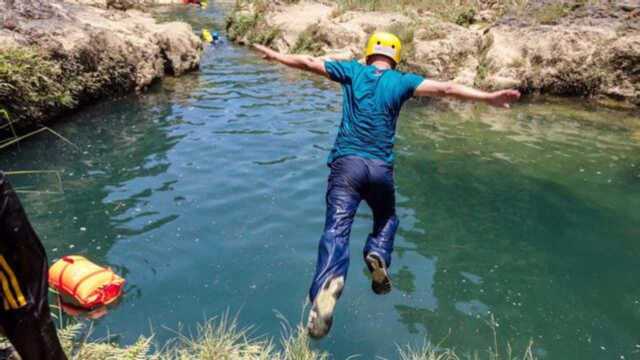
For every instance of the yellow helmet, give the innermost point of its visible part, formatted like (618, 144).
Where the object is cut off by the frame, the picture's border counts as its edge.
(384, 43)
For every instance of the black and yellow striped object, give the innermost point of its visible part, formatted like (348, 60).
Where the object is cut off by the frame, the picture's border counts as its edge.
(12, 295)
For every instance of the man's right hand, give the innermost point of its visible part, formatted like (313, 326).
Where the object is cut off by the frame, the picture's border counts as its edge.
(267, 53)
(503, 98)
(301, 62)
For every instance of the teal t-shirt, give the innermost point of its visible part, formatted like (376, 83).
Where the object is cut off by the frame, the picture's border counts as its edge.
(372, 99)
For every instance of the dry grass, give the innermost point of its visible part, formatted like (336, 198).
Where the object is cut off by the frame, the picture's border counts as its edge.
(247, 22)
(216, 339)
(458, 11)
(494, 351)
(222, 339)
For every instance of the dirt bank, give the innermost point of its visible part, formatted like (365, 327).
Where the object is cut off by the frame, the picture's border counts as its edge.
(56, 56)
(126, 4)
(567, 48)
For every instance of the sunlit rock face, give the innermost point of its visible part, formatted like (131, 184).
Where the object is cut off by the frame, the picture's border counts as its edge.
(96, 52)
(588, 50)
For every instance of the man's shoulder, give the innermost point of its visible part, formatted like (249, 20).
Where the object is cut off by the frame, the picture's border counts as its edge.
(400, 73)
(350, 67)
(343, 62)
(406, 77)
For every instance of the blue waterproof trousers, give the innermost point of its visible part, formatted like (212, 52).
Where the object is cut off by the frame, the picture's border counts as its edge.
(351, 180)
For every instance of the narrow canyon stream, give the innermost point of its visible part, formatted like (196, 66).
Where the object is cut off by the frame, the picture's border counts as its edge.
(207, 194)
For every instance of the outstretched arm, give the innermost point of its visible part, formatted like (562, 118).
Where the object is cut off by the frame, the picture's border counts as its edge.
(302, 62)
(449, 89)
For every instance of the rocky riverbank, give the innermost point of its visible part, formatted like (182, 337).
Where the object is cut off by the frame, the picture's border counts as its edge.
(57, 55)
(567, 48)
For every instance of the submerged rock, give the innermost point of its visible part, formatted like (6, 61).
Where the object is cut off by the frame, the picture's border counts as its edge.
(84, 53)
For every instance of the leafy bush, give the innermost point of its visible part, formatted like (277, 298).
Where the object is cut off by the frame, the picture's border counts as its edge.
(466, 17)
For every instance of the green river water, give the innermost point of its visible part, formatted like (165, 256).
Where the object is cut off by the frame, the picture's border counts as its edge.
(207, 194)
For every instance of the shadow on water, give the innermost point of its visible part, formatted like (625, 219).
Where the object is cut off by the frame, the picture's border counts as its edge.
(551, 263)
(98, 207)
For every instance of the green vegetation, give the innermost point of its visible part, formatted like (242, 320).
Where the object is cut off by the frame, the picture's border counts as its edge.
(310, 41)
(32, 84)
(214, 340)
(429, 352)
(551, 13)
(461, 12)
(466, 16)
(223, 339)
(36, 86)
(251, 26)
(484, 66)
(406, 33)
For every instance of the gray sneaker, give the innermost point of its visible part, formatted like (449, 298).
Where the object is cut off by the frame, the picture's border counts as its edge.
(321, 314)
(381, 282)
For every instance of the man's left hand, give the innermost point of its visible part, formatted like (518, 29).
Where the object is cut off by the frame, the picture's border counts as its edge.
(267, 53)
(503, 98)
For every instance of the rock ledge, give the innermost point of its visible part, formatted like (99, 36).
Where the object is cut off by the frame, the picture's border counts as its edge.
(77, 54)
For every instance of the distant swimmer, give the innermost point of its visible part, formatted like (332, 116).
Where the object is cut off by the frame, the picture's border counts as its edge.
(361, 161)
(210, 37)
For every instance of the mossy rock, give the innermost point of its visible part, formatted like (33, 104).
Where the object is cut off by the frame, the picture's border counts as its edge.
(32, 85)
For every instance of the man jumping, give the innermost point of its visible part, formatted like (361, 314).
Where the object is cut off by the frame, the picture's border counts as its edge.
(361, 161)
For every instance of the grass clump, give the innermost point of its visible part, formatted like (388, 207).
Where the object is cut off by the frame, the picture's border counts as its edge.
(223, 339)
(82, 349)
(32, 84)
(247, 24)
(216, 339)
(406, 34)
(219, 340)
(310, 41)
(298, 347)
(494, 352)
(426, 352)
(551, 13)
(466, 16)
(430, 352)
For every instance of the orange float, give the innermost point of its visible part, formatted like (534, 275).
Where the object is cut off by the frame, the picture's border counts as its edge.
(86, 284)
